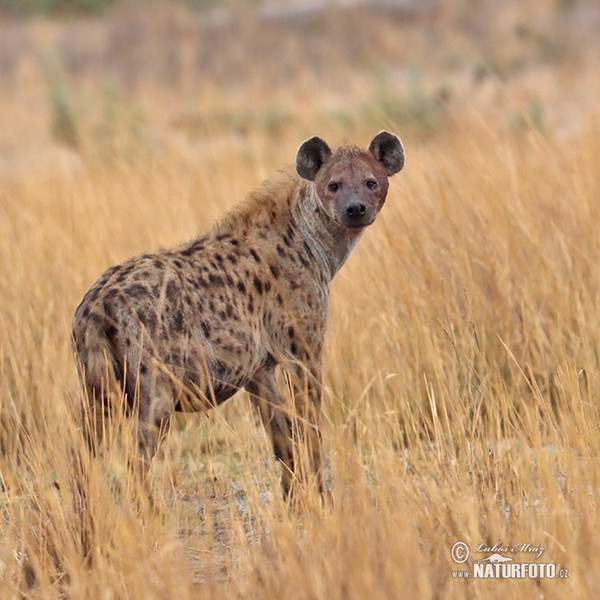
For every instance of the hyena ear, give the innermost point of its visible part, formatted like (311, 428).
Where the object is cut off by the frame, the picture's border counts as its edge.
(389, 151)
(311, 156)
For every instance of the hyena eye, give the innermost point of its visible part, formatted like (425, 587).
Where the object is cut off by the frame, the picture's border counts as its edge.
(371, 184)
(333, 187)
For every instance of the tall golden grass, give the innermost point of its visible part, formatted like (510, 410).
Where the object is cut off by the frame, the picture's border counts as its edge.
(461, 378)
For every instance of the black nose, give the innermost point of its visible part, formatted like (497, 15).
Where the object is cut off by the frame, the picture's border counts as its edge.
(355, 210)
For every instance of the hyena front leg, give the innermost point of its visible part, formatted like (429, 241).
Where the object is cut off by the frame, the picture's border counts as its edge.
(292, 424)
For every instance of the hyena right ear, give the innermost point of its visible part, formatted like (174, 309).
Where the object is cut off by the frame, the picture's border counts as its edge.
(311, 156)
(389, 151)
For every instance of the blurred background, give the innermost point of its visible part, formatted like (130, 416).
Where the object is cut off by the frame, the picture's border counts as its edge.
(107, 79)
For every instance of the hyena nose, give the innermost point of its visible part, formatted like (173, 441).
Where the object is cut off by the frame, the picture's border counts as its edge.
(355, 210)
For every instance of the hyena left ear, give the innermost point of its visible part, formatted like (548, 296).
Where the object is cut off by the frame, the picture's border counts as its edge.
(389, 151)
(311, 156)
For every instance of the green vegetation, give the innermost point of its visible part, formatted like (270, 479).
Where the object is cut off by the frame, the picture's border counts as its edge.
(53, 7)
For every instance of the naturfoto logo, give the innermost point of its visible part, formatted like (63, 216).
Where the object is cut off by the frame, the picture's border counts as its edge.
(496, 565)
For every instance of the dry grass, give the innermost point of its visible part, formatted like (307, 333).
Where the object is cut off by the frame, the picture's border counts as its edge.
(462, 369)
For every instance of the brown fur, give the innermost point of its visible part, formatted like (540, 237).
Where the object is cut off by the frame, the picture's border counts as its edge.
(185, 329)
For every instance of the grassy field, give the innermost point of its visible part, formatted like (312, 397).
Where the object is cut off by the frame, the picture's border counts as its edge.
(462, 365)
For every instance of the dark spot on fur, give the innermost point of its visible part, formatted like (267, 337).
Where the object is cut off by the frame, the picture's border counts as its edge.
(232, 259)
(279, 299)
(174, 357)
(92, 294)
(110, 332)
(274, 270)
(195, 247)
(280, 250)
(211, 306)
(293, 348)
(178, 321)
(229, 279)
(290, 332)
(177, 263)
(234, 242)
(215, 279)
(206, 329)
(267, 286)
(122, 275)
(251, 305)
(222, 236)
(255, 255)
(219, 258)
(307, 249)
(143, 369)
(221, 390)
(269, 361)
(258, 285)
(147, 319)
(97, 320)
(229, 310)
(241, 287)
(302, 259)
(172, 291)
(108, 311)
(136, 291)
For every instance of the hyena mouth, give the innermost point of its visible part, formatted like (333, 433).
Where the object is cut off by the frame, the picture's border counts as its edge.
(356, 223)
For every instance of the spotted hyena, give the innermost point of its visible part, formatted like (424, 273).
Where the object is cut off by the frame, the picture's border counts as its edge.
(184, 330)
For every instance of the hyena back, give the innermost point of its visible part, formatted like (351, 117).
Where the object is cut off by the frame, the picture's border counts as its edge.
(184, 330)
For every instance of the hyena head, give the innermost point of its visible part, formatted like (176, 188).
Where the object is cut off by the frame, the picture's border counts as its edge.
(352, 183)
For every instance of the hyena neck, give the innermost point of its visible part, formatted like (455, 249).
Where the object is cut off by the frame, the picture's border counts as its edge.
(329, 242)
